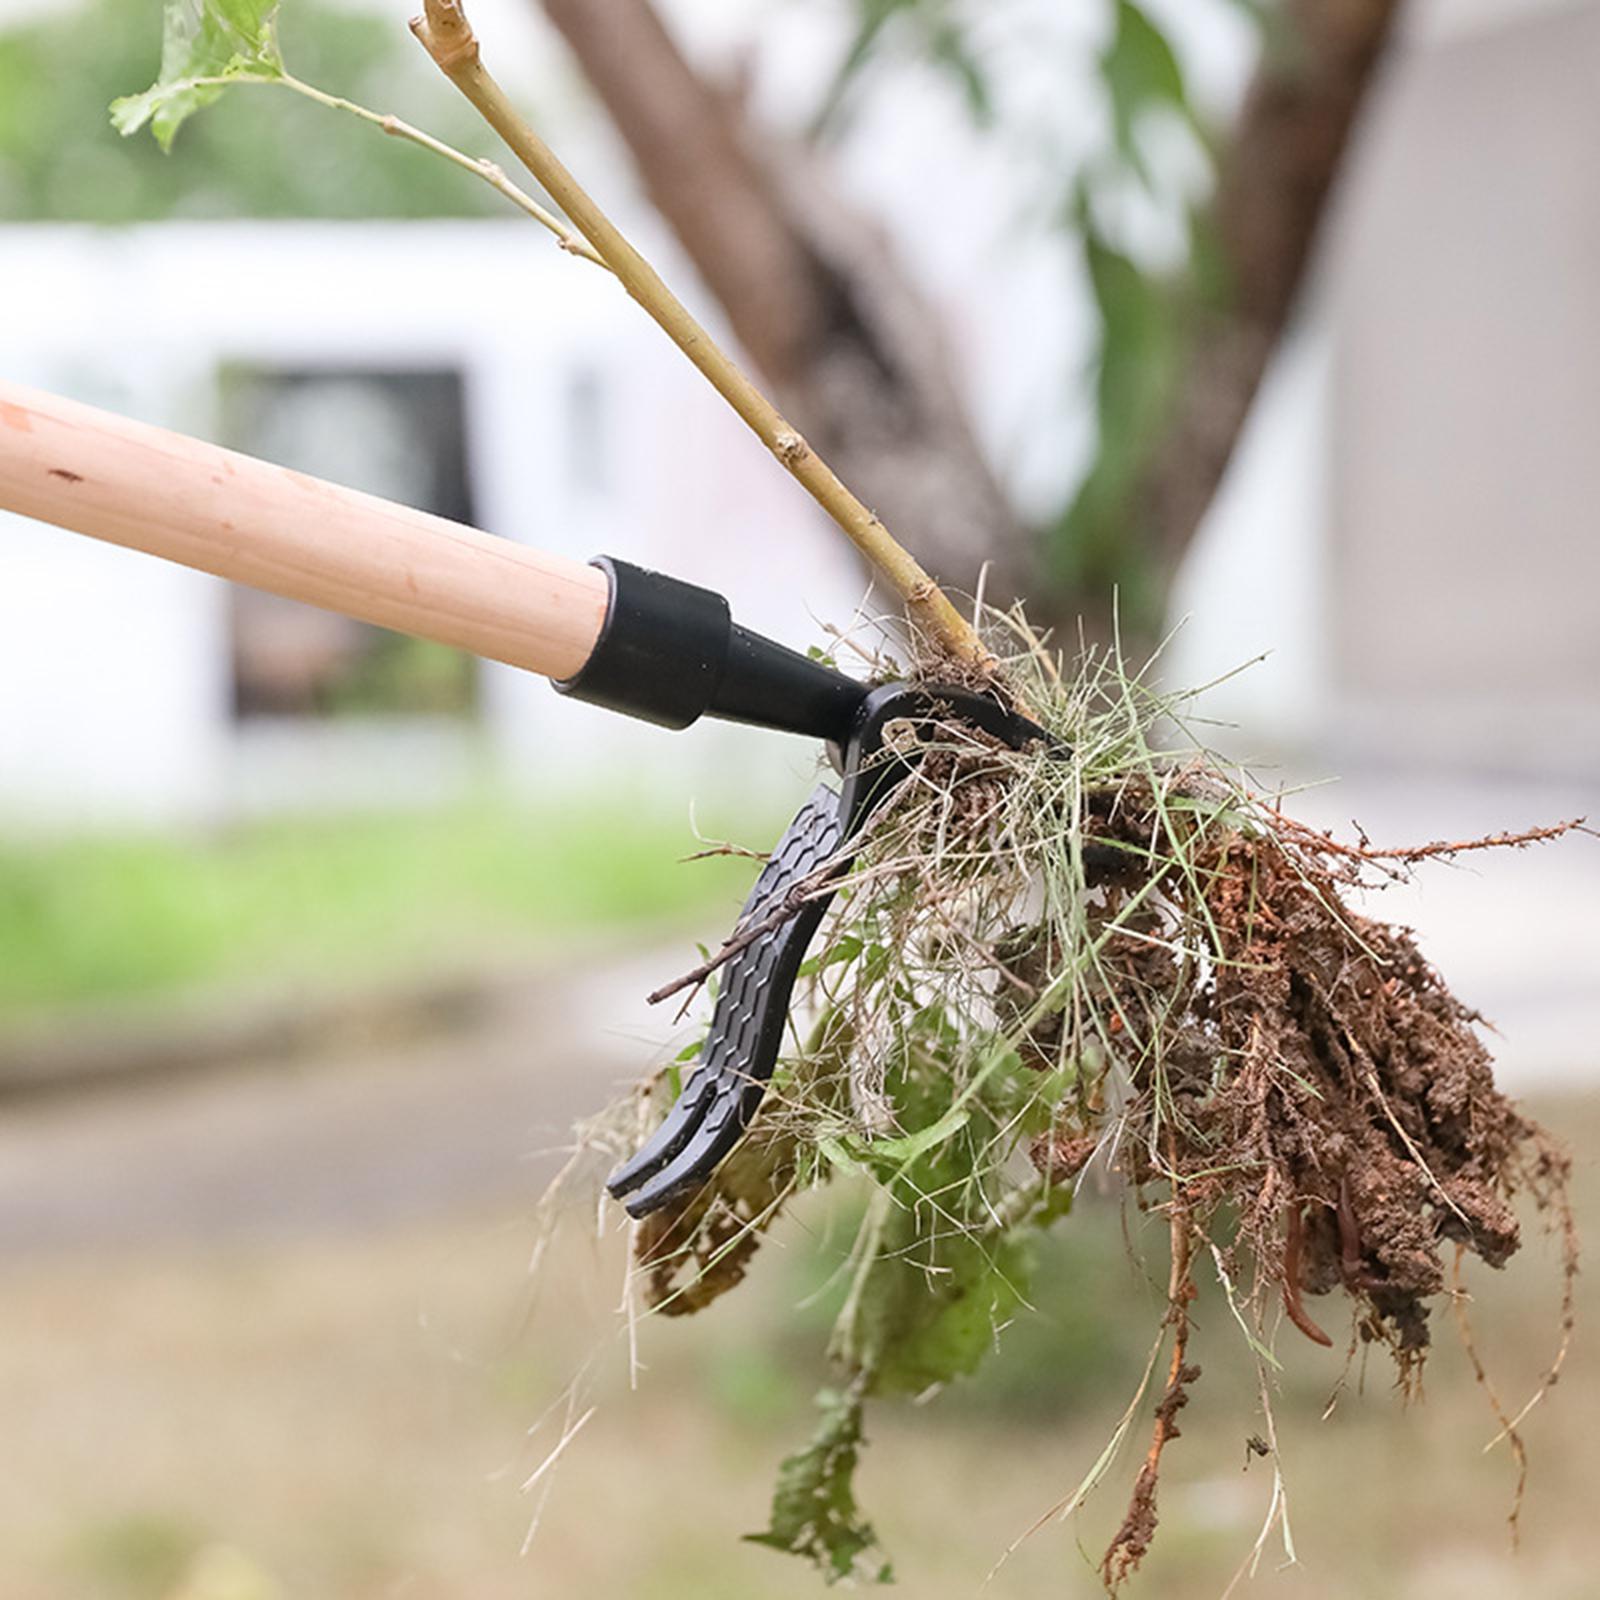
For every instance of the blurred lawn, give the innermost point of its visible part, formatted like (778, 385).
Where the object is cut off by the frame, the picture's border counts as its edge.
(346, 1418)
(333, 899)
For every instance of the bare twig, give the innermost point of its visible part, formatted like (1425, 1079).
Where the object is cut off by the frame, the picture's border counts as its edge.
(724, 848)
(488, 171)
(396, 127)
(447, 35)
(1128, 1548)
(781, 910)
(1438, 849)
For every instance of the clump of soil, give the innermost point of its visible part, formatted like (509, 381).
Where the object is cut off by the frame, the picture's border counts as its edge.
(1320, 1108)
(1317, 1080)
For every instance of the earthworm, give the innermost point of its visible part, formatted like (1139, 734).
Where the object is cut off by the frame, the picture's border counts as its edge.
(1294, 1237)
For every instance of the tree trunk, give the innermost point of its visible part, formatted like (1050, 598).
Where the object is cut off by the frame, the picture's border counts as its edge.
(1277, 176)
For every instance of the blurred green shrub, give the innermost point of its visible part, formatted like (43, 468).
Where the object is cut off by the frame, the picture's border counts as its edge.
(140, 1555)
(61, 160)
(336, 898)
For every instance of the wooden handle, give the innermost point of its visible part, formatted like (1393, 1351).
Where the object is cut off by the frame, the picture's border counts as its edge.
(257, 524)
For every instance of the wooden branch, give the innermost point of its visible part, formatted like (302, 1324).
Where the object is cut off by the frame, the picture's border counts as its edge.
(447, 35)
(814, 293)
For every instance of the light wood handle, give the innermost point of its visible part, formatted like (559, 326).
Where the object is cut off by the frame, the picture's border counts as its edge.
(273, 529)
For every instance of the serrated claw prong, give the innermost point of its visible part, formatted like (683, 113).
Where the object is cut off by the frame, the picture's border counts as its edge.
(675, 1132)
(746, 1028)
(718, 1130)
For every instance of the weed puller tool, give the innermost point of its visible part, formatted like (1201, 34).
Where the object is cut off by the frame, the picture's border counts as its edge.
(610, 633)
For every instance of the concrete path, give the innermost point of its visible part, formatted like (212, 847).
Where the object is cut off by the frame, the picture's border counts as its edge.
(347, 1140)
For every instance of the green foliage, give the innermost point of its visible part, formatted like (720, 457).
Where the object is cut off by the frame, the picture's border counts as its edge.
(1100, 543)
(1141, 75)
(1101, 540)
(141, 1555)
(932, 1302)
(206, 44)
(936, 29)
(814, 1512)
(1143, 338)
(89, 920)
(270, 155)
(942, 1260)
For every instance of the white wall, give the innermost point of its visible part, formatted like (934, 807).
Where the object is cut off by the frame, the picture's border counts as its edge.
(113, 667)
(1249, 609)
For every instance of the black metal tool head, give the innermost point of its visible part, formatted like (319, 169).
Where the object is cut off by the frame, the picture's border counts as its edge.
(787, 903)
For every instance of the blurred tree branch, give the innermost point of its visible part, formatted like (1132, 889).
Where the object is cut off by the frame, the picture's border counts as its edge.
(1275, 179)
(812, 292)
(1184, 355)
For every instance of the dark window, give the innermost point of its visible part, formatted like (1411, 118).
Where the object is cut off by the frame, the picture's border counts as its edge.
(399, 434)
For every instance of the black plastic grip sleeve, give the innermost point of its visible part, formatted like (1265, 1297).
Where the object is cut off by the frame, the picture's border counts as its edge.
(662, 650)
(669, 652)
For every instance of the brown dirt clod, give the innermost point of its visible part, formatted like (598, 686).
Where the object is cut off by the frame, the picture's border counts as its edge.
(1321, 1104)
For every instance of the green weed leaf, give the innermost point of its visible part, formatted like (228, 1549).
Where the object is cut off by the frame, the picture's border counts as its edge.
(203, 41)
(929, 1307)
(903, 1151)
(814, 1512)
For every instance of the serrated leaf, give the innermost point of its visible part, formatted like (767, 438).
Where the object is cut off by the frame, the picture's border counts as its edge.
(814, 1512)
(202, 41)
(928, 1308)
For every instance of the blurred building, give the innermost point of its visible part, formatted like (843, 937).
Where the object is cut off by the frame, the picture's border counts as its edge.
(1410, 526)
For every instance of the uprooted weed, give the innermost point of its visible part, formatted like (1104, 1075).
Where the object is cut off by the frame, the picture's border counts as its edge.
(1111, 952)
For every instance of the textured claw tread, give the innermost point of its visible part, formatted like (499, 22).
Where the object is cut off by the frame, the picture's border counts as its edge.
(746, 1033)
(747, 1026)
